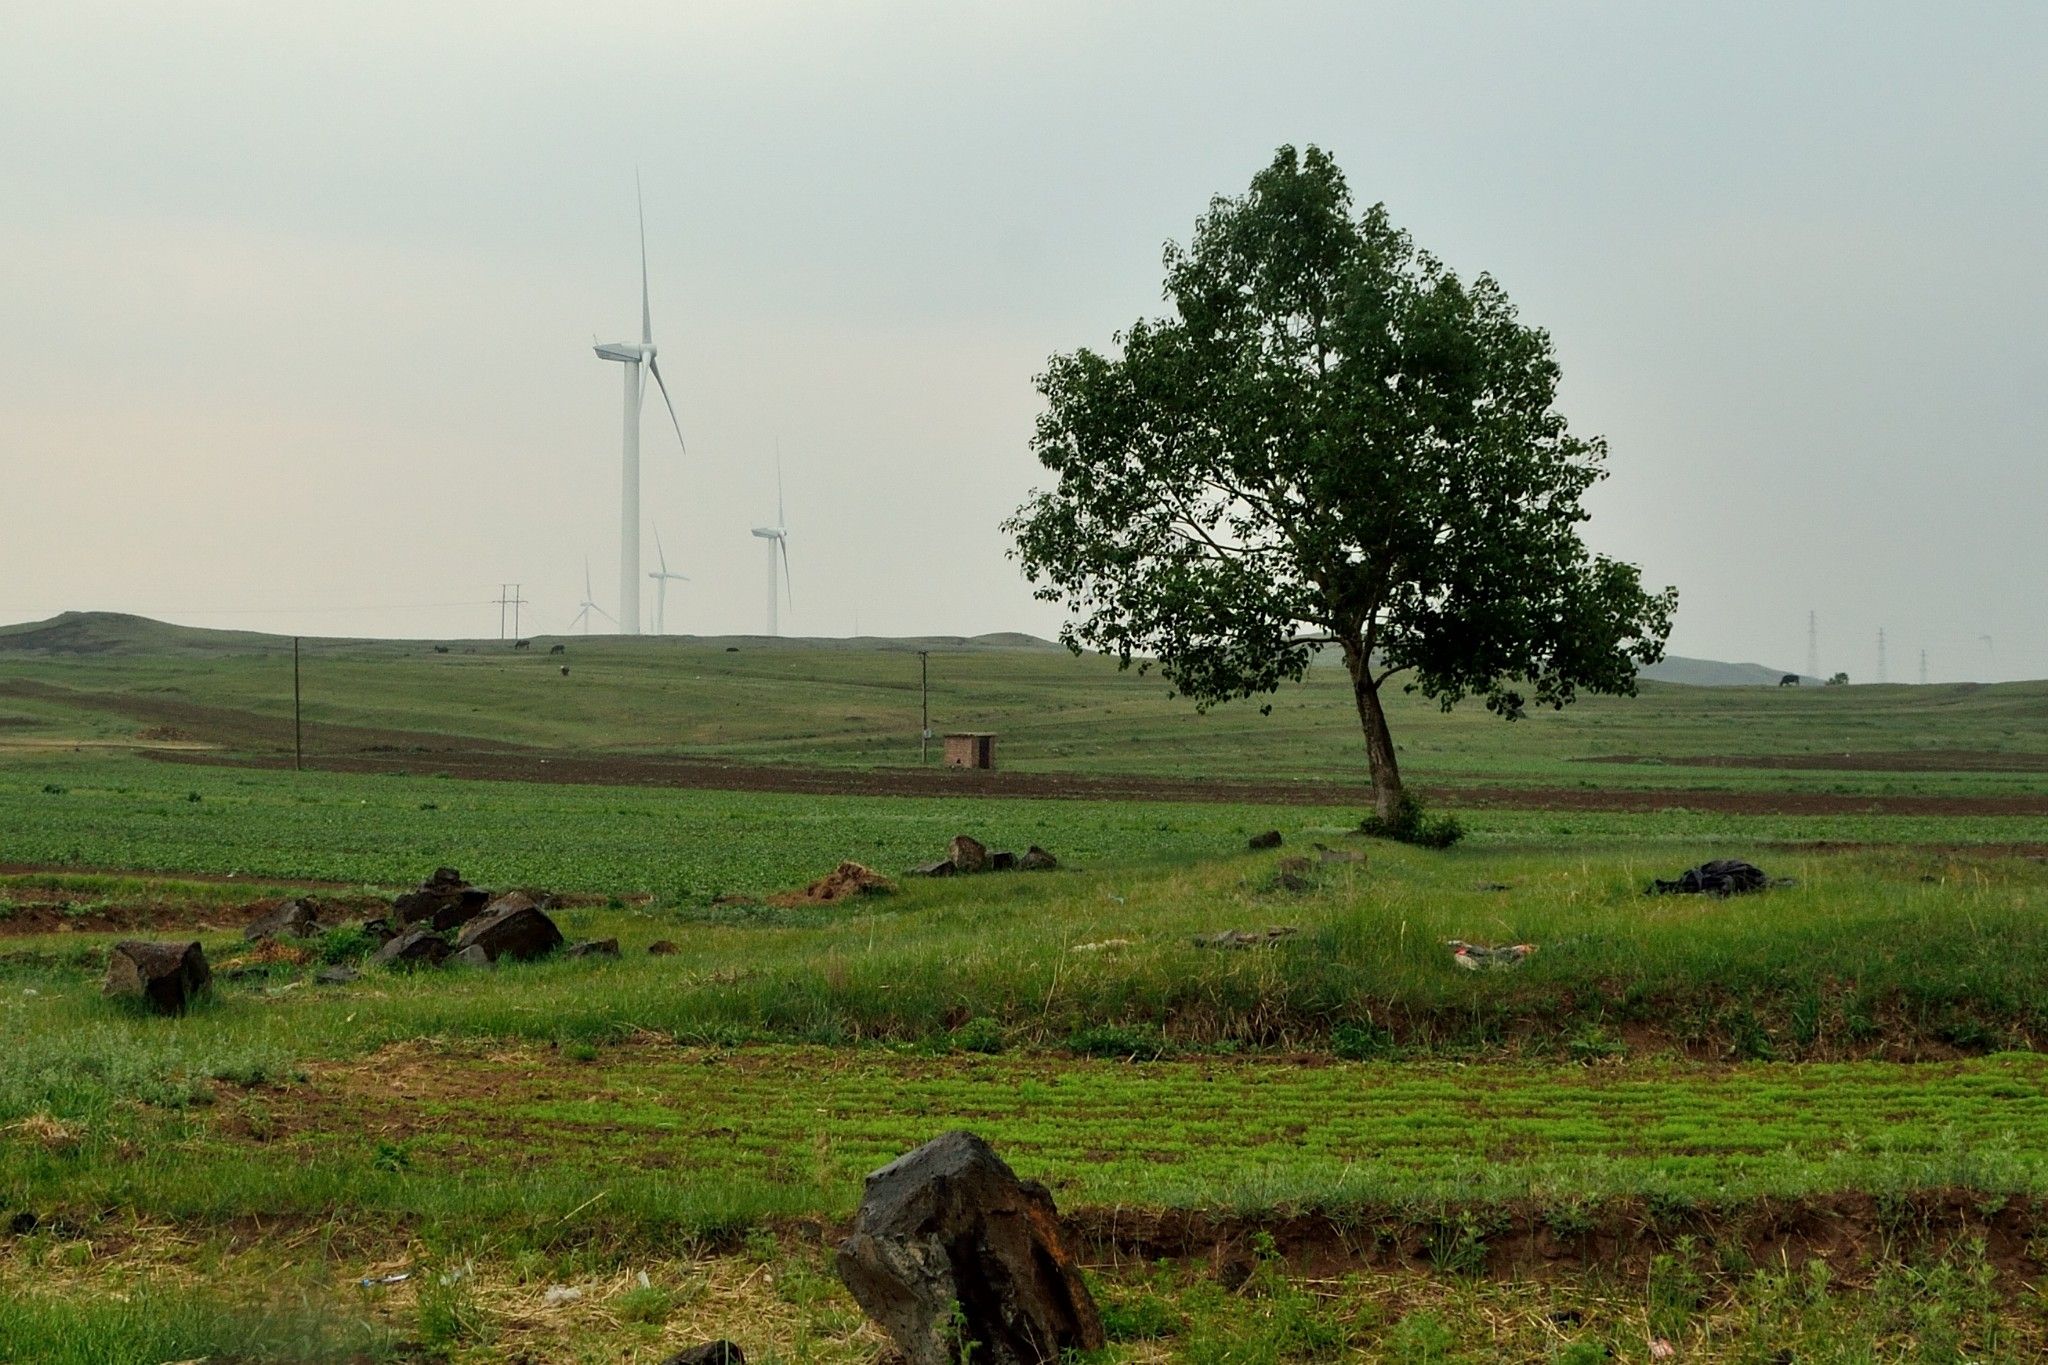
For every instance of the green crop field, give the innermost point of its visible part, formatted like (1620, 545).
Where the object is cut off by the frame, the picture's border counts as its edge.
(1805, 1125)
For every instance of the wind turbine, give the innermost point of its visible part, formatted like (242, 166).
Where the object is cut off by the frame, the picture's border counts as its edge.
(777, 537)
(661, 579)
(582, 617)
(633, 357)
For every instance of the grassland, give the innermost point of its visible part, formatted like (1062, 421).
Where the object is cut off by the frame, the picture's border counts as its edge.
(1806, 1125)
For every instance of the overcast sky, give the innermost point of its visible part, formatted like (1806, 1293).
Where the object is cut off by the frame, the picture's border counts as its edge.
(296, 301)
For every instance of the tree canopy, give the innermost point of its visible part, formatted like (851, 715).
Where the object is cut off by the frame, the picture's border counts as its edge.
(1330, 440)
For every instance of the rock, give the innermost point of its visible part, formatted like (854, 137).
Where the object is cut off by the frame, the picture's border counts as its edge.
(472, 956)
(1259, 843)
(1002, 861)
(1722, 877)
(296, 917)
(335, 976)
(1247, 938)
(710, 1353)
(847, 879)
(1296, 865)
(1036, 859)
(383, 930)
(967, 854)
(942, 868)
(662, 948)
(443, 900)
(951, 1248)
(413, 948)
(512, 927)
(595, 947)
(166, 976)
(1478, 957)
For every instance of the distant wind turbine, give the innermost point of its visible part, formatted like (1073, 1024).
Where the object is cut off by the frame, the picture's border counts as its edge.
(661, 579)
(634, 357)
(777, 537)
(582, 617)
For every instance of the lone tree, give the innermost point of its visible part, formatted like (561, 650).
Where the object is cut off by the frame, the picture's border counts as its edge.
(1332, 440)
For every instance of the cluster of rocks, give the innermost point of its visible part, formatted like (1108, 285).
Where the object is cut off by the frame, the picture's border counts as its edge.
(487, 927)
(442, 920)
(967, 855)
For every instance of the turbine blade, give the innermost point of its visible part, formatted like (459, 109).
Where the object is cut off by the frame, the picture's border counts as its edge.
(646, 315)
(780, 519)
(605, 614)
(787, 592)
(659, 557)
(655, 366)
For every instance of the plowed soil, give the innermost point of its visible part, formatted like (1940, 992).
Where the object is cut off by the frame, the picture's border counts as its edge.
(1877, 761)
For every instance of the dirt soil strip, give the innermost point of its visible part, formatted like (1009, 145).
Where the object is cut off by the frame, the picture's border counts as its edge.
(661, 771)
(1879, 761)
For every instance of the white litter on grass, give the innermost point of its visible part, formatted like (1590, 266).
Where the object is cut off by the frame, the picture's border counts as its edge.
(1102, 947)
(560, 1294)
(396, 1277)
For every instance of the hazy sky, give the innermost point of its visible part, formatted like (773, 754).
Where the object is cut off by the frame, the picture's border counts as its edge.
(296, 301)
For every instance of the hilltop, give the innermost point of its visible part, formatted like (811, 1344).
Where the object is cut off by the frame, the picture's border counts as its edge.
(119, 633)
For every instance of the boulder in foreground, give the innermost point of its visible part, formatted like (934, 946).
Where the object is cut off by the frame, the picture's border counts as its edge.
(513, 926)
(167, 977)
(957, 1259)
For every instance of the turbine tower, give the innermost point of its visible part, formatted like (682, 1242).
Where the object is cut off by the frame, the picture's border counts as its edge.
(1812, 645)
(777, 537)
(582, 617)
(662, 577)
(633, 357)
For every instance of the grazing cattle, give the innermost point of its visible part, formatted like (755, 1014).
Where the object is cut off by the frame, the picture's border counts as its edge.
(1789, 680)
(558, 649)
(565, 670)
(522, 644)
(440, 649)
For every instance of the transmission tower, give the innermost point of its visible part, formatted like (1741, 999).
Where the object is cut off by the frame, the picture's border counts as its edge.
(1812, 645)
(1880, 654)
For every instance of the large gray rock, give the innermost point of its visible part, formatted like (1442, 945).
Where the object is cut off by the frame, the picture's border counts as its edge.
(956, 1258)
(167, 977)
(296, 918)
(442, 901)
(514, 926)
(413, 948)
(967, 854)
(1036, 859)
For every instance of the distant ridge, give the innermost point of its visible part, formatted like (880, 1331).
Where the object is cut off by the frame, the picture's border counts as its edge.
(118, 633)
(1714, 673)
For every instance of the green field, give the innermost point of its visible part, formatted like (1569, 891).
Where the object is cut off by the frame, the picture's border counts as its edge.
(1805, 1125)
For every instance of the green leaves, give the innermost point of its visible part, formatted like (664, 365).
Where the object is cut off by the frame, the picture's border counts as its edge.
(1331, 439)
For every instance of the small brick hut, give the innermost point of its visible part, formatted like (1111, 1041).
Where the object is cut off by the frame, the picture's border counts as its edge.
(971, 749)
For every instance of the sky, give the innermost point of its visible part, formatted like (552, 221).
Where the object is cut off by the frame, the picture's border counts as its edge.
(297, 301)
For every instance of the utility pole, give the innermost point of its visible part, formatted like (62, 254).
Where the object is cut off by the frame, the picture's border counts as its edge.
(1923, 668)
(1880, 654)
(924, 689)
(508, 596)
(298, 734)
(1812, 645)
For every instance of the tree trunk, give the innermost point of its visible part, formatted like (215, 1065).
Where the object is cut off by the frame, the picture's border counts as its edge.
(1379, 742)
